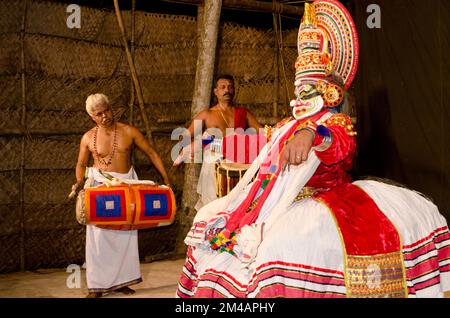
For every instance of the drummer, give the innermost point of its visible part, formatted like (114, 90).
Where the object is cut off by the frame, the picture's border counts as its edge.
(223, 115)
(112, 257)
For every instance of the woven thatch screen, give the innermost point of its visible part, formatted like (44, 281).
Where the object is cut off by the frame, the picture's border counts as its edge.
(46, 72)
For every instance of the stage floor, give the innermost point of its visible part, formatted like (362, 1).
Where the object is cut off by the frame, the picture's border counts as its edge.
(159, 281)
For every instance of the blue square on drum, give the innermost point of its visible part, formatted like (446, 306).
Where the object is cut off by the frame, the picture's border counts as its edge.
(107, 205)
(155, 204)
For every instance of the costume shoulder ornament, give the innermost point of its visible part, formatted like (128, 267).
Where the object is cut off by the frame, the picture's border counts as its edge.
(342, 121)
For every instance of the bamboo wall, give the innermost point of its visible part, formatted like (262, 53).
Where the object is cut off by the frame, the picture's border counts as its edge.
(46, 72)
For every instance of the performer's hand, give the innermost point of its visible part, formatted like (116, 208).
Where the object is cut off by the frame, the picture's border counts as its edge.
(297, 149)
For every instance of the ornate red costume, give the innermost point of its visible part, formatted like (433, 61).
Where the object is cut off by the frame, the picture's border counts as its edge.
(310, 231)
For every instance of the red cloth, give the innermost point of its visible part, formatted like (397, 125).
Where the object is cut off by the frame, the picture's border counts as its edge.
(240, 117)
(365, 229)
(242, 148)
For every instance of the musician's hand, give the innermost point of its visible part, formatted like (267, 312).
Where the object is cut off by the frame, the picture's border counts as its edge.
(167, 181)
(186, 153)
(178, 164)
(75, 189)
(297, 149)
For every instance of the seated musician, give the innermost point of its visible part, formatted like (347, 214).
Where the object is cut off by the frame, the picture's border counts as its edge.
(112, 257)
(216, 120)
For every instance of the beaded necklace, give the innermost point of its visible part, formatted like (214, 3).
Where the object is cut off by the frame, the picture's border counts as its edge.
(111, 154)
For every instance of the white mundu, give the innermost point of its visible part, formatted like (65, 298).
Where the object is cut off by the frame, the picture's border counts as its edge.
(112, 257)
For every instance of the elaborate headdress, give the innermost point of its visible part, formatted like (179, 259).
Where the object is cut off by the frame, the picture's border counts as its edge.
(328, 51)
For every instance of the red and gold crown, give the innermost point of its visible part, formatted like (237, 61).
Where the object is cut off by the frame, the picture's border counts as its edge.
(328, 49)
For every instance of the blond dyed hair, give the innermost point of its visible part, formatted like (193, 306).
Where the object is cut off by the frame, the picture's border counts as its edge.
(95, 99)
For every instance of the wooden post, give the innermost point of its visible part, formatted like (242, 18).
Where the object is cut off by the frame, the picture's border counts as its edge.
(208, 28)
(134, 76)
(287, 110)
(132, 90)
(23, 124)
(206, 56)
(276, 66)
(133, 31)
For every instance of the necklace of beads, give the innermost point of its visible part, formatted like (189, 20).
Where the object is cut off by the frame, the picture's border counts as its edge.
(102, 161)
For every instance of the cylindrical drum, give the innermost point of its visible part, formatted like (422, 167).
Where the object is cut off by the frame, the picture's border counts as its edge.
(228, 174)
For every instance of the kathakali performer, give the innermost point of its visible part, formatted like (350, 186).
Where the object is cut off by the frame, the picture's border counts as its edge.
(296, 225)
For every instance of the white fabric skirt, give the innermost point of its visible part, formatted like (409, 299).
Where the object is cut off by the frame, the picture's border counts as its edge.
(301, 254)
(112, 257)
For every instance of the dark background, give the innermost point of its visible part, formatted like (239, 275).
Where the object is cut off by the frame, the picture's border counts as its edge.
(401, 94)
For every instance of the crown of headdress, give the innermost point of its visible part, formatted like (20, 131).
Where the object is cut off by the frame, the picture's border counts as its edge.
(327, 59)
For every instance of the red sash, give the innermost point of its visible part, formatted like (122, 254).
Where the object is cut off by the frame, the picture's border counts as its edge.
(365, 229)
(374, 265)
(241, 147)
(240, 117)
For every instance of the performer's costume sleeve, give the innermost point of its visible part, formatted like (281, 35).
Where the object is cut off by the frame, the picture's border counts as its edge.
(336, 156)
(343, 144)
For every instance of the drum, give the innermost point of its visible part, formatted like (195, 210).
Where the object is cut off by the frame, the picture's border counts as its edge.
(228, 174)
(126, 207)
